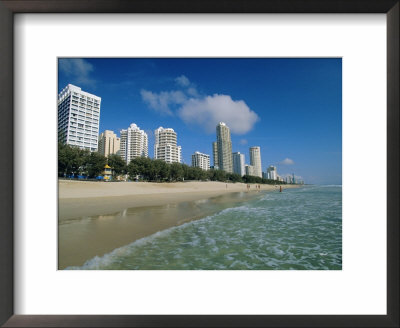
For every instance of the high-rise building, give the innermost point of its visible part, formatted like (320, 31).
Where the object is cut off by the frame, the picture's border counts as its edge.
(272, 172)
(133, 143)
(250, 170)
(238, 163)
(215, 154)
(201, 160)
(224, 148)
(109, 143)
(78, 118)
(165, 145)
(255, 160)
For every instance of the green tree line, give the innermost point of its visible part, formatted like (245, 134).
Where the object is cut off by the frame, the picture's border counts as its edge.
(75, 161)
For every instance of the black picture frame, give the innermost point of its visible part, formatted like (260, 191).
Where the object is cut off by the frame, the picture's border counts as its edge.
(10, 7)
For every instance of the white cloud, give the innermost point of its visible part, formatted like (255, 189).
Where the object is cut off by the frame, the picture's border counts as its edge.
(192, 91)
(182, 81)
(205, 111)
(162, 101)
(243, 141)
(77, 70)
(208, 111)
(287, 161)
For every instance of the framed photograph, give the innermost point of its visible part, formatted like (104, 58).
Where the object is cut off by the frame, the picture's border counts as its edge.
(200, 163)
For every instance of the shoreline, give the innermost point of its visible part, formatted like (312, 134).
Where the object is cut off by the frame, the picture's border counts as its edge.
(85, 198)
(93, 226)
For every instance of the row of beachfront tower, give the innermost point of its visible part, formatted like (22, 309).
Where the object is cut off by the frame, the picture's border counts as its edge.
(78, 125)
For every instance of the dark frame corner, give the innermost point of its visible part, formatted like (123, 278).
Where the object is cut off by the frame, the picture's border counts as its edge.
(10, 7)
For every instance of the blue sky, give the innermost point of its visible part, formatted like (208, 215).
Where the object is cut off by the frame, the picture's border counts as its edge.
(291, 108)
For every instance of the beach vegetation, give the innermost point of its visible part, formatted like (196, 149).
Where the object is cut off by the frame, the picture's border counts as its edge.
(70, 159)
(234, 177)
(94, 164)
(117, 164)
(176, 170)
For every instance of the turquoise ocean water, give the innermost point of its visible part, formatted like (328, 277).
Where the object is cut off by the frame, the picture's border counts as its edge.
(298, 229)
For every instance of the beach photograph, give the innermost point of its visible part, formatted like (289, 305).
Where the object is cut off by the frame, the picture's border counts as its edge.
(199, 164)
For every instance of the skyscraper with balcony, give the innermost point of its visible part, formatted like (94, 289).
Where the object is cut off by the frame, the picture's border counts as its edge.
(238, 163)
(201, 160)
(255, 160)
(224, 148)
(78, 118)
(165, 145)
(133, 143)
(109, 143)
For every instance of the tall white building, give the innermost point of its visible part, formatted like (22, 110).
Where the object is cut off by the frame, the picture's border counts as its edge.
(272, 173)
(250, 170)
(109, 143)
(201, 160)
(255, 160)
(133, 143)
(238, 163)
(215, 155)
(224, 148)
(78, 118)
(165, 145)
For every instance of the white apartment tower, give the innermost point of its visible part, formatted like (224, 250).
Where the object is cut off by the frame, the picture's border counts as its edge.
(201, 160)
(238, 163)
(165, 145)
(109, 143)
(224, 148)
(255, 160)
(134, 143)
(272, 173)
(250, 170)
(78, 118)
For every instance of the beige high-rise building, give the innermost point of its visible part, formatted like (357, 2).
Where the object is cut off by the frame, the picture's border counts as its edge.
(165, 145)
(224, 148)
(255, 160)
(215, 154)
(134, 143)
(109, 143)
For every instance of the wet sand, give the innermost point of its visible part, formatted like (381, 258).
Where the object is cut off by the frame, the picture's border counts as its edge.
(97, 217)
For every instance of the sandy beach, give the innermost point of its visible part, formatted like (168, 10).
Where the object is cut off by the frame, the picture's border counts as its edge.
(83, 198)
(97, 217)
